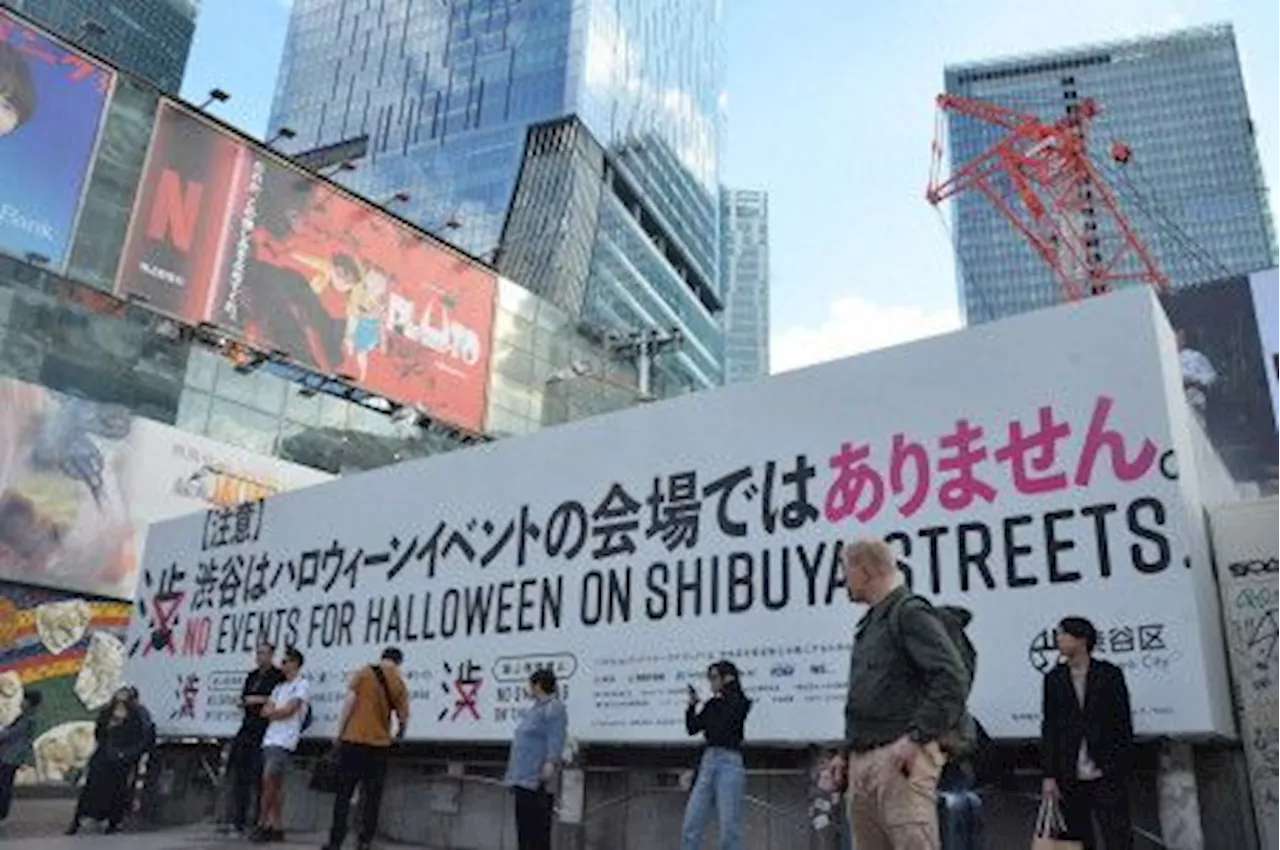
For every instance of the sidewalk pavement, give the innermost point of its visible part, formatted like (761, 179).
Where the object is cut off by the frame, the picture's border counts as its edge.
(200, 837)
(36, 817)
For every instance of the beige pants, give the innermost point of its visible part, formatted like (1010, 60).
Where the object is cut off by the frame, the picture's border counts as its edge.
(889, 811)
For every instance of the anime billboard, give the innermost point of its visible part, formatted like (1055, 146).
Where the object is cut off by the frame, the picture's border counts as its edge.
(224, 233)
(51, 104)
(81, 481)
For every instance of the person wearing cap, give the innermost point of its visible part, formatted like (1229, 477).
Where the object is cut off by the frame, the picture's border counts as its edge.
(1086, 740)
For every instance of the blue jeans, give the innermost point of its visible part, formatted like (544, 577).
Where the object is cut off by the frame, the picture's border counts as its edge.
(720, 784)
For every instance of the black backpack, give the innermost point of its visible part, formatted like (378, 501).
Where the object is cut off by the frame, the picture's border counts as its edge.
(968, 743)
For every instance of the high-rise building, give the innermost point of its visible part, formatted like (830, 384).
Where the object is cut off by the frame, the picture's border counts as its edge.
(616, 106)
(1193, 189)
(148, 38)
(744, 276)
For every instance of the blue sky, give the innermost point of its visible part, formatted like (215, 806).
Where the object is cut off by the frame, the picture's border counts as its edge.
(831, 110)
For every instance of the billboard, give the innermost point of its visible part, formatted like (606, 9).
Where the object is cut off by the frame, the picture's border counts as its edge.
(1025, 469)
(1228, 370)
(52, 101)
(223, 232)
(79, 482)
(1265, 286)
(71, 649)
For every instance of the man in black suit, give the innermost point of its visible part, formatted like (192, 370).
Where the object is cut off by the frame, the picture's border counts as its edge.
(1086, 739)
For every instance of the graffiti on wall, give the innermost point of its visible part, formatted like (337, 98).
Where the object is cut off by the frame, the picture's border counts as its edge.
(70, 648)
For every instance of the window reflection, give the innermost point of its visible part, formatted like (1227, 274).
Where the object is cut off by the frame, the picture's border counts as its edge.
(193, 411)
(242, 426)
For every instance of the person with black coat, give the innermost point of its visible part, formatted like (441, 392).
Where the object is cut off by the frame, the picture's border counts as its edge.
(123, 734)
(721, 779)
(15, 747)
(244, 765)
(1086, 740)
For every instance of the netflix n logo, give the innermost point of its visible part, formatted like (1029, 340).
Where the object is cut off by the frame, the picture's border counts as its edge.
(175, 210)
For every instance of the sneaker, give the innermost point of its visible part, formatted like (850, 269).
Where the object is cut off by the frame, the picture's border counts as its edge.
(261, 835)
(277, 835)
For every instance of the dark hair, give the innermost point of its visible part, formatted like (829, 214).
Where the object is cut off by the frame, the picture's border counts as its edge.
(267, 645)
(729, 675)
(292, 653)
(394, 655)
(33, 699)
(16, 85)
(1079, 627)
(724, 669)
(344, 263)
(544, 678)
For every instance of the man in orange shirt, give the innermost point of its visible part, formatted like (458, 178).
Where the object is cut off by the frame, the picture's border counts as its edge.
(374, 694)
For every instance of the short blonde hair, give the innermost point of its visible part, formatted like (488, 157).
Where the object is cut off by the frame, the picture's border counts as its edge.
(872, 553)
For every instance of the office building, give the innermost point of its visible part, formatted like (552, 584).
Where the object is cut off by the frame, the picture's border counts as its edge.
(1193, 188)
(462, 101)
(147, 38)
(744, 275)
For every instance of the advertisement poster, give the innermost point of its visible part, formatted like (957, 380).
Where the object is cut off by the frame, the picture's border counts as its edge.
(676, 537)
(1225, 374)
(80, 481)
(225, 234)
(175, 245)
(51, 105)
(1265, 286)
(71, 649)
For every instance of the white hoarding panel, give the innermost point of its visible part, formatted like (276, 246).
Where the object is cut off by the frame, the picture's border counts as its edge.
(1244, 544)
(1025, 469)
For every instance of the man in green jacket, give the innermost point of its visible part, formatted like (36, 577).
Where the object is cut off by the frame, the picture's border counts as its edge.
(15, 747)
(907, 689)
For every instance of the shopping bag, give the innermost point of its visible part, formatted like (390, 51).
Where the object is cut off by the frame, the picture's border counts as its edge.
(1049, 825)
(324, 773)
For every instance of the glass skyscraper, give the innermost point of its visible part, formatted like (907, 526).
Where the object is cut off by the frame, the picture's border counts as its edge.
(148, 38)
(744, 275)
(615, 104)
(1193, 189)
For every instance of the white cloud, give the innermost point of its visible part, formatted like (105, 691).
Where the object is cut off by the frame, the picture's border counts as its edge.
(854, 325)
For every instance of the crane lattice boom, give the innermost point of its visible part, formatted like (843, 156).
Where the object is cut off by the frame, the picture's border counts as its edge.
(1039, 176)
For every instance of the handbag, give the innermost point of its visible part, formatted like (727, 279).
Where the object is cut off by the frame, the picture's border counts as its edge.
(324, 773)
(1049, 825)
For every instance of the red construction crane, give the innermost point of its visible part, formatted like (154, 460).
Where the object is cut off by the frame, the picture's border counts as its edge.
(1040, 177)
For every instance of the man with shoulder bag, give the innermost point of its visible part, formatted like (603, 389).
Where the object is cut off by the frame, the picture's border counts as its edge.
(905, 715)
(374, 694)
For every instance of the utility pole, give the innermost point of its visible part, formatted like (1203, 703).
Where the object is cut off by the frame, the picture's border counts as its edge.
(644, 347)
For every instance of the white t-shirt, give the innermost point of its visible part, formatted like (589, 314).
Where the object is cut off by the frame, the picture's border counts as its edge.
(285, 733)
